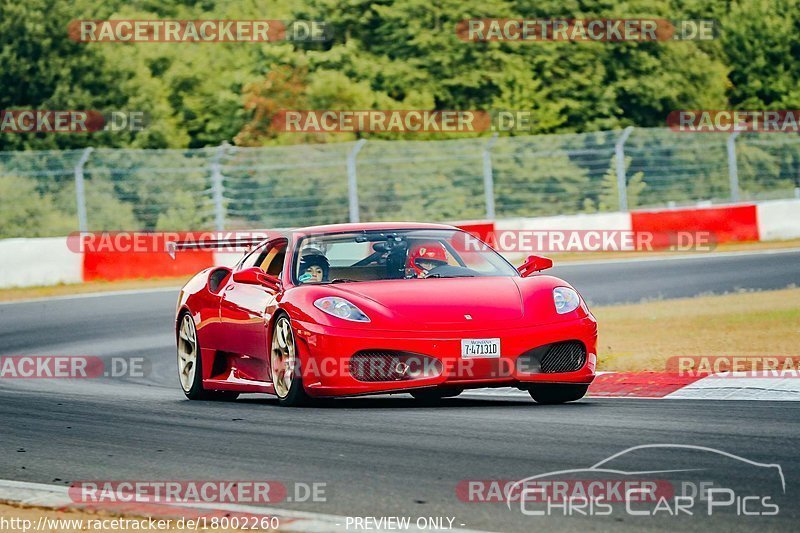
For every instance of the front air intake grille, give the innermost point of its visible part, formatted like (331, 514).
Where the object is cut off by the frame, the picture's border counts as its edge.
(388, 365)
(564, 357)
(376, 366)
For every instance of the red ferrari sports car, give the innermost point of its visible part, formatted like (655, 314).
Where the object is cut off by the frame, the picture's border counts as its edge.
(354, 309)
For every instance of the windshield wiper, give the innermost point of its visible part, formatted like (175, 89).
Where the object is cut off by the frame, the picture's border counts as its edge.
(343, 280)
(459, 276)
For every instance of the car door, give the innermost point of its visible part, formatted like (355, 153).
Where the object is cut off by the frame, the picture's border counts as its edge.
(245, 310)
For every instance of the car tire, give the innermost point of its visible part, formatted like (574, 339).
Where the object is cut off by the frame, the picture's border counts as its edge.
(190, 362)
(433, 396)
(283, 364)
(555, 393)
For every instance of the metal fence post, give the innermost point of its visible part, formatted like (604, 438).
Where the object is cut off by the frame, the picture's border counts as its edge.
(622, 181)
(733, 168)
(488, 177)
(352, 180)
(218, 186)
(80, 192)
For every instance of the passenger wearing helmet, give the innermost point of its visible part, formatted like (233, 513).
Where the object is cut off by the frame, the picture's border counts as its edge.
(314, 268)
(423, 258)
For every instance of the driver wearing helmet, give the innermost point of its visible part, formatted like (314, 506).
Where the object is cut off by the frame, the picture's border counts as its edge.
(314, 268)
(424, 257)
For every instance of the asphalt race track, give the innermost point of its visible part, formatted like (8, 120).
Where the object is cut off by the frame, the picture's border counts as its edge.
(620, 281)
(384, 456)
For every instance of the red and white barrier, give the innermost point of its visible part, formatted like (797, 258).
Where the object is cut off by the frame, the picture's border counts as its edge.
(726, 223)
(113, 266)
(778, 220)
(764, 221)
(33, 262)
(580, 222)
(50, 261)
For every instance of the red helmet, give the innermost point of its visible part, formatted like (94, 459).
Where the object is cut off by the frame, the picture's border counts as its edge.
(433, 252)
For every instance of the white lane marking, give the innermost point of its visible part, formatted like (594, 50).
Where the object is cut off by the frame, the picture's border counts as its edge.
(57, 496)
(99, 294)
(681, 257)
(739, 386)
(34, 493)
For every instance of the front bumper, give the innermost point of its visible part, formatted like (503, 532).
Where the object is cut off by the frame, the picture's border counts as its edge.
(326, 352)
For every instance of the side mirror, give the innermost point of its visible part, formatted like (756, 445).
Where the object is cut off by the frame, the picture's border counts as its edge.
(534, 263)
(256, 276)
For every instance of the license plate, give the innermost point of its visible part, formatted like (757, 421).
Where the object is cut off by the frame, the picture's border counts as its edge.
(480, 348)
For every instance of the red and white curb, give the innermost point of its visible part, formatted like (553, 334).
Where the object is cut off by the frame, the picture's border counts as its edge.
(57, 497)
(670, 386)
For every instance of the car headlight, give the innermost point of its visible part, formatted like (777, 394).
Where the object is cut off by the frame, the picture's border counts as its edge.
(566, 300)
(341, 308)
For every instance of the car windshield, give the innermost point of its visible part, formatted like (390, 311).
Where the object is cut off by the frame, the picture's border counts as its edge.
(395, 254)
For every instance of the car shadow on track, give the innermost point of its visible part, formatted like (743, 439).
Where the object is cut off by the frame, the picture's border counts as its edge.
(395, 402)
